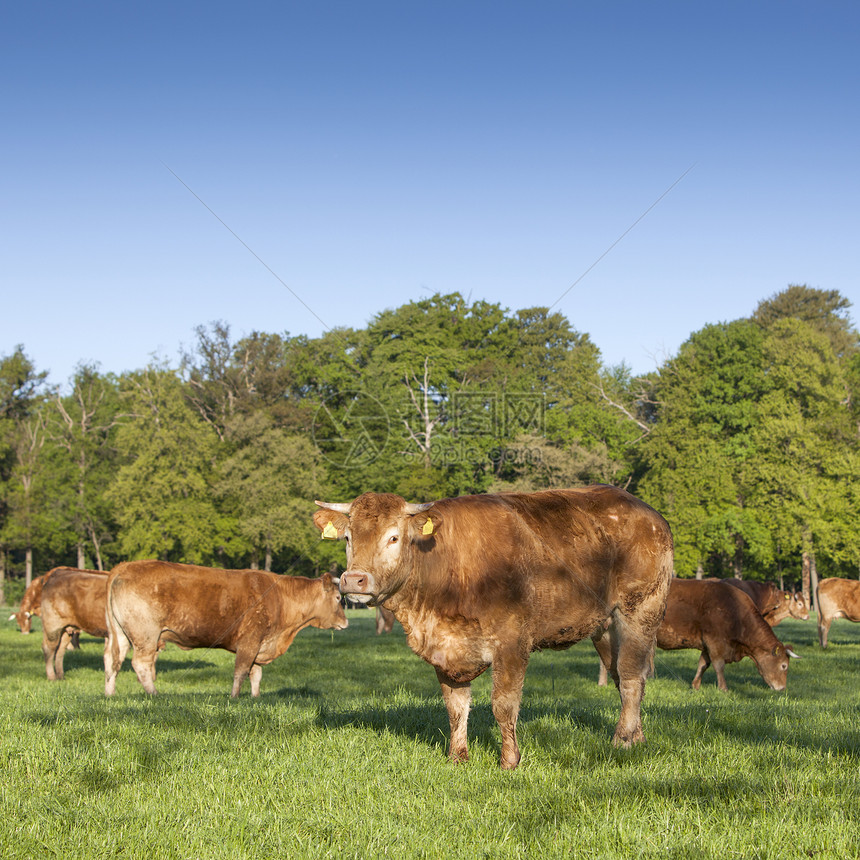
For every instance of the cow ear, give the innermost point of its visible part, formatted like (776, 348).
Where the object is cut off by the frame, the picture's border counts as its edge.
(331, 524)
(329, 582)
(426, 524)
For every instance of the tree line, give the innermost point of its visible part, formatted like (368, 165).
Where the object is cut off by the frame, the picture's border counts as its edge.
(747, 440)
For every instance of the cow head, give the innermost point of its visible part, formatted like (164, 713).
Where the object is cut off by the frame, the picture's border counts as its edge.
(23, 620)
(773, 666)
(330, 613)
(797, 607)
(381, 531)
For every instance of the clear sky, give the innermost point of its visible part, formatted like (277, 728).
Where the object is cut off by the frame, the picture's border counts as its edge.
(371, 153)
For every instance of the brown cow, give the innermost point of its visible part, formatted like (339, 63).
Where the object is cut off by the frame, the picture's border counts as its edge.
(31, 602)
(723, 623)
(481, 580)
(253, 613)
(837, 598)
(772, 602)
(72, 601)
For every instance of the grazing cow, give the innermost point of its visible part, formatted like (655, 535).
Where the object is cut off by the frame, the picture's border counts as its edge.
(837, 598)
(772, 602)
(31, 602)
(481, 580)
(72, 601)
(384, 620)
(253, 613)
(723, 623)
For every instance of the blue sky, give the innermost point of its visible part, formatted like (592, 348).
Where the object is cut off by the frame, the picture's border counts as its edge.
(373, 153)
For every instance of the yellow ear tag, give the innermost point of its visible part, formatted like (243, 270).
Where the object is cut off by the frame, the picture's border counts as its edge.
(427, 529)
(330, 531)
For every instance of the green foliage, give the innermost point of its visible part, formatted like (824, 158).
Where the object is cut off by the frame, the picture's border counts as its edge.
(746, 440)
(162, 493)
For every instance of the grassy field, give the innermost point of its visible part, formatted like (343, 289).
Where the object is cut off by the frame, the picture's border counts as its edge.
(343, 756)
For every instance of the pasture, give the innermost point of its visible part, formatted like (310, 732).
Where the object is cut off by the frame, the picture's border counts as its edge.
(343, 756)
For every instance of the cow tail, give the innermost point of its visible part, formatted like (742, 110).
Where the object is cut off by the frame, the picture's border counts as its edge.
(117, 643)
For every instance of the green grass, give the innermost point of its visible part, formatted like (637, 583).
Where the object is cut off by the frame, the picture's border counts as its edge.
(343, 756)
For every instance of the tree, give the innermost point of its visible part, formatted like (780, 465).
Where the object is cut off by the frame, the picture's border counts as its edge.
(266, 485)
(82, 425)
(21, 441)
(703, 436)
(805, 476)
(826, 311)
(162, 494)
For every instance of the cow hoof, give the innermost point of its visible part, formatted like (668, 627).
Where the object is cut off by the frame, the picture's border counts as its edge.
(625, 741)
(510, 764)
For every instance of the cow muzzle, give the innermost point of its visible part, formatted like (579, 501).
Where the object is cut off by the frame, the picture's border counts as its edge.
(358, 585)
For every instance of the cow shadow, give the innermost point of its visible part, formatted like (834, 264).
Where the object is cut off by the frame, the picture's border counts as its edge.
(427, 722)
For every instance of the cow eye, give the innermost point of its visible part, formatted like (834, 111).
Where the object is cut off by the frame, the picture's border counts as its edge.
(392, 539)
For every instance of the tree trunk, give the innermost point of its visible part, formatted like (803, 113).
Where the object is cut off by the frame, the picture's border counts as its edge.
(268, 565)
(700, 571)
(28, 567)
(804, 575)
(813, 583)
(2, 577)
(82, 559)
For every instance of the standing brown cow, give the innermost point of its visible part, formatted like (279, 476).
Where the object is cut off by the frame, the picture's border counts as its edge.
(253, 613)
(72, 601)
(723, 623)
(772, 602)
(31, 602)
(481, 580)
(837, 598)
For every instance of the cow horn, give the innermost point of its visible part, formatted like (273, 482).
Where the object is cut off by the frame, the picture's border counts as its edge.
(412, 508)
(340, 507)
(792, 654)
(12, 617)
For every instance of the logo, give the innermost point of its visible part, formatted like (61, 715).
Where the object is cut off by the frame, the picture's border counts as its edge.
(351, 429)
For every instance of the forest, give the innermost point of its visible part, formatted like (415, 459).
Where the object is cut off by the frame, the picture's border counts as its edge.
(747, 440)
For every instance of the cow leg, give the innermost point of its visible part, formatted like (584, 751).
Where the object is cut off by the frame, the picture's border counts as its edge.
(719, 667)
(458, 697)
(634, 646)
(244, 666)
(65, 644)
(117, 645)
(256, 675)
(704, 662)
(509, 672)
(604, 651)
(50, 644)
(143, 663)
(823, 629)
(602, 675)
